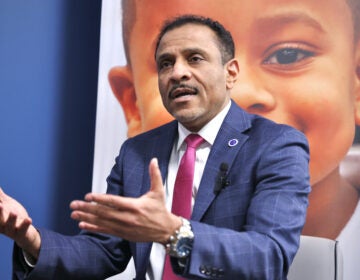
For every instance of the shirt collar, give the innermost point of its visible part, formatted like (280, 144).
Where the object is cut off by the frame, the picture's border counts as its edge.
(208, 132)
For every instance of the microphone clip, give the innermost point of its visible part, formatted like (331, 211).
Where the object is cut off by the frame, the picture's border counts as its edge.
(221, 180)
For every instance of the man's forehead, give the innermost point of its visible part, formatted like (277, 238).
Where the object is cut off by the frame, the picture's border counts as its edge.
(187, 38)
(188, 31)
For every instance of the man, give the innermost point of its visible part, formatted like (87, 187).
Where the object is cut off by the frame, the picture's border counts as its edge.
(297, 67)
(249, 194)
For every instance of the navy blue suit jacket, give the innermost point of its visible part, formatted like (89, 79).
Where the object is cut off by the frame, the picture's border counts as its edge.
(249, 230)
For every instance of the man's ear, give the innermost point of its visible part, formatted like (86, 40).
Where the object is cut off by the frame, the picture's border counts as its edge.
(232, 73)
(121, 83)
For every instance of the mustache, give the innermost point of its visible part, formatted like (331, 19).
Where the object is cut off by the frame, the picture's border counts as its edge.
(183, 87)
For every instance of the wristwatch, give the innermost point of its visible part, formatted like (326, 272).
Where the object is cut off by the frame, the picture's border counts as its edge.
(180, 244)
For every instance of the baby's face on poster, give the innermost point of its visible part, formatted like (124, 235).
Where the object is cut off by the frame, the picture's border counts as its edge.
(296, 62)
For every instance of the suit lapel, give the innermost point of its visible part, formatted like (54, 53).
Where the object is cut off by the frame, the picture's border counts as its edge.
(227, 145)
(161, 145)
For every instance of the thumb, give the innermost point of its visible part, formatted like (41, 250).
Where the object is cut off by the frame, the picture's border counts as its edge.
(2, 194)
(155, 177)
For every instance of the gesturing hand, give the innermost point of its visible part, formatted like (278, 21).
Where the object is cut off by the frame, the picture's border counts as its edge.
(16, 224)
(135, 219)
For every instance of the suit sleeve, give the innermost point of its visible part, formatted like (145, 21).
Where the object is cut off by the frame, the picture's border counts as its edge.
(84, 256)
(267, 241)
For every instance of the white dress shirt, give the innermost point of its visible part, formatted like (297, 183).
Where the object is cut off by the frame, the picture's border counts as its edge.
(208, 133)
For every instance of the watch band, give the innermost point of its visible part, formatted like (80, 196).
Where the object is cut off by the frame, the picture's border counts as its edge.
(180, 243)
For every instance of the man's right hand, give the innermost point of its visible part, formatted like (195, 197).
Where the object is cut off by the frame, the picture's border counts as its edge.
(16, 224)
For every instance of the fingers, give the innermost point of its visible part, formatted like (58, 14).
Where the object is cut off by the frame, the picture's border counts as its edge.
(3, 218)
(93, 223)
(16, 227)
(86, 220)
(104, 201)
(109, 200)
(99, 218)
(86, 207)
(13, 226)
(92, 227)
(155, 177)
(104, 210)
(2, 195)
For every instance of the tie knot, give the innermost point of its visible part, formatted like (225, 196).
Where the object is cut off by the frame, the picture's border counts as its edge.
(193, 140)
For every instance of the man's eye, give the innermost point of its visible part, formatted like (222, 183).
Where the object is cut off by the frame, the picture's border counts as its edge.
(164, 64)
(195, 59)
(288, 56)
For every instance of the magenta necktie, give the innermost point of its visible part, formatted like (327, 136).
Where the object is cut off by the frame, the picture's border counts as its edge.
(181, 204)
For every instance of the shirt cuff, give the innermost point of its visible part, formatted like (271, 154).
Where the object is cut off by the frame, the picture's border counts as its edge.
(29, 260)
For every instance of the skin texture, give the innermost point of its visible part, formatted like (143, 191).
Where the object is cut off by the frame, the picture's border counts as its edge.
(16, 224)
(298, 65)
(193, 82)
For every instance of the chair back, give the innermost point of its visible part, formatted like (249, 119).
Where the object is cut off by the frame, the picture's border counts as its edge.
(317, 259)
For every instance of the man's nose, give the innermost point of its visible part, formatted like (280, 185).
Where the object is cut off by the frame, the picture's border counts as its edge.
(180, 71)
(251, 93)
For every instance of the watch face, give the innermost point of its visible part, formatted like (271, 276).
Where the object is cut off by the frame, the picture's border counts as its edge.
(183, 247)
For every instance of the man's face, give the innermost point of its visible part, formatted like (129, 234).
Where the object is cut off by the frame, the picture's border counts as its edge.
(297, 66)
(193, 81)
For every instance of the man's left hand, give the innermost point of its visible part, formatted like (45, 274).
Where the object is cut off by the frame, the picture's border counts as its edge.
(140, 219)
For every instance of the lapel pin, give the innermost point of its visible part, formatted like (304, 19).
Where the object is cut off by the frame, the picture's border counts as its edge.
(233, 142)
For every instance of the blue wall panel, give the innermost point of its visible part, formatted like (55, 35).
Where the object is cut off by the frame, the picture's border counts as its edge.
(48, 85)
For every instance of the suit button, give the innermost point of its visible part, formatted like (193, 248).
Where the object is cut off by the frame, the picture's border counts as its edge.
(202, 269)
(208, 271)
